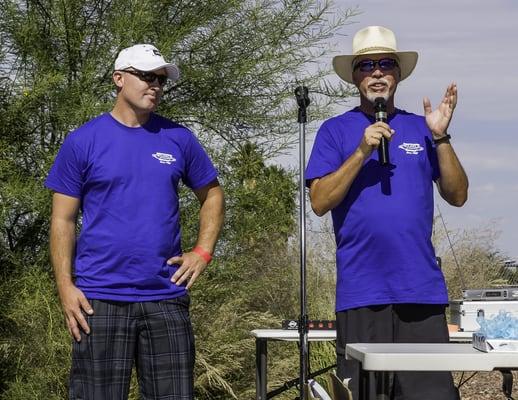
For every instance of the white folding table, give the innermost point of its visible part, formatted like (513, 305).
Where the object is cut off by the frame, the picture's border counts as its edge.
(390, 357)
(262, 336)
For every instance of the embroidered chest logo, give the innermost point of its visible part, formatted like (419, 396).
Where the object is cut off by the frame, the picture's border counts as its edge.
(164, 158)
(411, 148)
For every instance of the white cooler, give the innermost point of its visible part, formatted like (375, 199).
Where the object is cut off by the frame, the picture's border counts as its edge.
(464, 313)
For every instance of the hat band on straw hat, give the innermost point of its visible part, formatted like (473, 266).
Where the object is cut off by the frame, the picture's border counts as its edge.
(376, 49)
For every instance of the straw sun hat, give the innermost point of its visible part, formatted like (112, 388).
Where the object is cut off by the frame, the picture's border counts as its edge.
(374, 40)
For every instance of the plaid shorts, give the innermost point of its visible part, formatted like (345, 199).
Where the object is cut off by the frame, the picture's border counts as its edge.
(156, 335)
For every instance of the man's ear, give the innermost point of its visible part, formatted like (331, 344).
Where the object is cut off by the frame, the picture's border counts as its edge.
(118, 79)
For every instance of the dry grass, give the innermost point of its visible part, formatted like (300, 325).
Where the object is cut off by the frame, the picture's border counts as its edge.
(484, 386)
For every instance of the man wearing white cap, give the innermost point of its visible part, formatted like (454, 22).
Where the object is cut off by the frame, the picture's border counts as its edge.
(389, 285)
(124, 284)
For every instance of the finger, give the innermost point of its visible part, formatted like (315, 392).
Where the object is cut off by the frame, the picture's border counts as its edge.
(182, 279)
(175, 260)
(177, 276)
(76, 333)
(427, 106)
(454, 94)
(82, 322)
(381, 124)
(73, 328)
(387, 133)
(85, 305)
(374, 140)
(451, 89)
(187, 275)
(191, 281)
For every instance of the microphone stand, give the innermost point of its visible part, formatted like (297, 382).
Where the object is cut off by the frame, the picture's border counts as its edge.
(301, 94)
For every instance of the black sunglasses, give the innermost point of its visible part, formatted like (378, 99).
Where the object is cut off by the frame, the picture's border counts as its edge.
(385, 64)
(148, 77)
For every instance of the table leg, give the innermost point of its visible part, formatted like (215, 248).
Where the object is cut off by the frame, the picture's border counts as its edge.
(367, 384)
(261, 353)
(507, 383)
(363, 383)
(385, 384)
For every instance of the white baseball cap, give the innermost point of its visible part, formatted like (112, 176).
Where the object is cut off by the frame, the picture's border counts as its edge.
(145, 57)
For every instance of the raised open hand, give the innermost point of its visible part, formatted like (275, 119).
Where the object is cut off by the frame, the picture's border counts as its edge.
(439, 119)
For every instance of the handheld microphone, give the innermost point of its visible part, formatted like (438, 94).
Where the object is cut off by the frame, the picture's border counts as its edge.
(380, 109)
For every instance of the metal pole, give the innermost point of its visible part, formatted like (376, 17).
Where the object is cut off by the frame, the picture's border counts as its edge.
(301, 93)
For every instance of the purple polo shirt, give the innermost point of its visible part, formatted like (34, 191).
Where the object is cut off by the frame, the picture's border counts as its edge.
(383, 226)
(127, 180)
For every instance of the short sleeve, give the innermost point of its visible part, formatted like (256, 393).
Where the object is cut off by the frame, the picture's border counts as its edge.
(199, 170)
(326, 156)
(66, 174)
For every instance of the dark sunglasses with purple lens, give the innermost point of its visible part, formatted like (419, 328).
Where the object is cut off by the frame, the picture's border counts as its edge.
(145, 76)
(385, 64)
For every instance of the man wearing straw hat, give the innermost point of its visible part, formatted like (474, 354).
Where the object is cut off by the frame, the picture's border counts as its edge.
(389, 285)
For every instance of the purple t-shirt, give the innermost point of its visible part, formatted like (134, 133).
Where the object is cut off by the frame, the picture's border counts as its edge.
(383, 226)
(127, 180)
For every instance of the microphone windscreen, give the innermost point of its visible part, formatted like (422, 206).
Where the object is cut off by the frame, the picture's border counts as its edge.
(379, 104)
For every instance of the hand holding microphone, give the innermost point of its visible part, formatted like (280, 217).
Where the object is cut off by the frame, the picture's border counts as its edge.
(378, 134)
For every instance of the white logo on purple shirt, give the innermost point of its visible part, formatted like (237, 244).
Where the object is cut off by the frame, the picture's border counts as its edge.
(164, 158)
(411, 148)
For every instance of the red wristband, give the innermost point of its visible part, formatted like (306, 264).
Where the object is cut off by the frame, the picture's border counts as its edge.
(202, 253)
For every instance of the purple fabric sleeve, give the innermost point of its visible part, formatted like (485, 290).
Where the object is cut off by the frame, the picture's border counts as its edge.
(65, 175)
(326, 156)
(199, 169)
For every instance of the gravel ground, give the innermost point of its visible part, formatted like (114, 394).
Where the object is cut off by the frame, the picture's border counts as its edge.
(484, 386)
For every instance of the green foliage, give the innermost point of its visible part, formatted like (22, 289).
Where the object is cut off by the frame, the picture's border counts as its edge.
(35, 346)
(471, 262)
(262, 204)
(240, 61)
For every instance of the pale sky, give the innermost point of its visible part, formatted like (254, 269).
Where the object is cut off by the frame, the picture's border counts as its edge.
(473, 43)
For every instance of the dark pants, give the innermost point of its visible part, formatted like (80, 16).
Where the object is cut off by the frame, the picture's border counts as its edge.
(156, 335)
(397, 323)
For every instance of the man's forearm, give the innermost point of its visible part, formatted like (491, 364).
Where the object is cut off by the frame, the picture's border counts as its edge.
(327, 192)
(453, 182)
(62, 245)
(211, 219)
